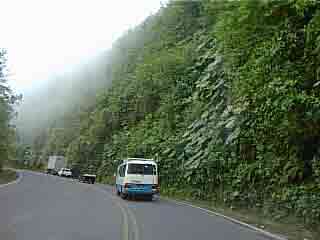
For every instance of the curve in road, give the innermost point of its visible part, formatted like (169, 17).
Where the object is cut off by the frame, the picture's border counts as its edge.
(44, 207)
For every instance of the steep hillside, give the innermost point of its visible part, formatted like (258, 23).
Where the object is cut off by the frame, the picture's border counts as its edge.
(224, 94)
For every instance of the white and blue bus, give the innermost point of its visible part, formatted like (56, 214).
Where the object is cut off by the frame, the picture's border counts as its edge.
(137, 176)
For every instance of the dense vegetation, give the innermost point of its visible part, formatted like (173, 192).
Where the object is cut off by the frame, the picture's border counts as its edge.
(224, 94)
(7, 176)
(7, 101)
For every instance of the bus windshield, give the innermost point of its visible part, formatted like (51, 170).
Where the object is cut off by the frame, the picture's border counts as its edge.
(145, 169)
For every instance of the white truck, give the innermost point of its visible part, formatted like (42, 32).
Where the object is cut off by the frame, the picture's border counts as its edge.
(55, 163)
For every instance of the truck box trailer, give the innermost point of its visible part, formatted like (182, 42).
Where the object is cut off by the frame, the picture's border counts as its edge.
(56, 162)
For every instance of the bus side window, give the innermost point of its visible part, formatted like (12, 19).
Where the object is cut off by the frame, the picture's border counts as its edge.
(122, 171)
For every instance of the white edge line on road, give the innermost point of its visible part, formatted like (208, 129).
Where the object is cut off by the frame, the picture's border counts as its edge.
(15, 181)
(268, 234)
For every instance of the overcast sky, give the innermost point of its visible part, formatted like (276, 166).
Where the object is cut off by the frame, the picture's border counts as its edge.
(46, 36)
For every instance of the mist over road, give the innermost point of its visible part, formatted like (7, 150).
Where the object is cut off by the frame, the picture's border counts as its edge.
(47, 207)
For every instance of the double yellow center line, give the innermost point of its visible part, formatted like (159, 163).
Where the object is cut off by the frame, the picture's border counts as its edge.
(129, 228)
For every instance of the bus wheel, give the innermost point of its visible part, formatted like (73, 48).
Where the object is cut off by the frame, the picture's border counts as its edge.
(123, 195)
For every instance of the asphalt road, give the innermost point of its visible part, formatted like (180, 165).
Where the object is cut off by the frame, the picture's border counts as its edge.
(43, 207)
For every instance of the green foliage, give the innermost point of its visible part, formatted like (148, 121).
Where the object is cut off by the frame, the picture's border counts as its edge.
(7, 101)
(224, 94)
(7, 176)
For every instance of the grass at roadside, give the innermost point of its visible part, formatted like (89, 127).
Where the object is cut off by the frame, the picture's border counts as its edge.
(7, 176)
(287, 227)
(110, 180)
(17, 165)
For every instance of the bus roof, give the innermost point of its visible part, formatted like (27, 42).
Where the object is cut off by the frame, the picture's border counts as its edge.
(139, 161)
(142, 159)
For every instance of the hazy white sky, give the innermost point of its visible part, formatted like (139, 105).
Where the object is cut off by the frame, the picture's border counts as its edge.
(46, 36)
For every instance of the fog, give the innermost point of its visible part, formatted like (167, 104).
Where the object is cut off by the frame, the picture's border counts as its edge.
(58, 52)
(65, 91)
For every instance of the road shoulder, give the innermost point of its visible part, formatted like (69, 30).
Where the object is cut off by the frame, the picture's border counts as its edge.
(9, 177)
(214, 213)
(251, 219)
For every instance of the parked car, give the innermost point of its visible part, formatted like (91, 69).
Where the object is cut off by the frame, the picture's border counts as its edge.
(65, 172)
(52, 172)
(87, 178)
(75, 173)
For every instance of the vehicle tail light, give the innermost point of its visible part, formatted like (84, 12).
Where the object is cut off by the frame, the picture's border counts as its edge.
(156, 187)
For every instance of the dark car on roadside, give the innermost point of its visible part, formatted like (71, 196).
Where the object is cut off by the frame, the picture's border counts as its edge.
(52, 172)
(87, 178)
(75, 173)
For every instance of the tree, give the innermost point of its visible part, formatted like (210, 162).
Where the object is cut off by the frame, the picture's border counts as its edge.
(7, 101)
